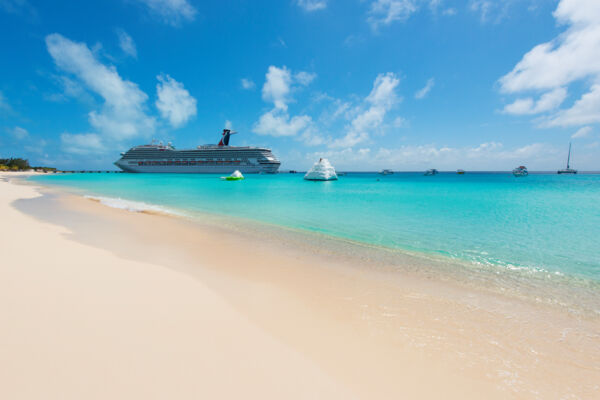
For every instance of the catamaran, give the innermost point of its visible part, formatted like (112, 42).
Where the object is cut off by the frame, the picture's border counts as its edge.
(568, 170)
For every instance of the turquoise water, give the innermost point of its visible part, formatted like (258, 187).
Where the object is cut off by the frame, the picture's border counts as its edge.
(537, 223)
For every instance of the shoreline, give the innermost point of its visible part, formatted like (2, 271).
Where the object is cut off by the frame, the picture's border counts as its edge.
(378, 332)
(572, 293)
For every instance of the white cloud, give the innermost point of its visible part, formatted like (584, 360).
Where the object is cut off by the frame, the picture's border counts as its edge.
(277, 89)
(312, 137)
(228, 124)
(572, 56)
(482, 7)
(585, 111)
(312, 5)
(19, 133)
(582, 132)
(172, 12)
(490, 156)
(380, 101)
(174, 102)
(277, 122)
(122, 115)
(304, 78)
(547, 102)
(126, 43)
(422, 93)
(383, 93)
(82, 144)
(277, 86)
(385, 12)
(248, 84)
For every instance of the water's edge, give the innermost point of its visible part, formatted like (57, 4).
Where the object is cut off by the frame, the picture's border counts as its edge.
(571, 293)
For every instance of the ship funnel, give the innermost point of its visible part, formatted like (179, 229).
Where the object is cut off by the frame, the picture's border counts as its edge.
(225, 138)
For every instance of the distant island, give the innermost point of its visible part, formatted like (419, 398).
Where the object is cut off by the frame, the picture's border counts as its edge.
(20, 164)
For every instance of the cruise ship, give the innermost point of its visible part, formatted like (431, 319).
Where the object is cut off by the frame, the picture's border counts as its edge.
(208, 159)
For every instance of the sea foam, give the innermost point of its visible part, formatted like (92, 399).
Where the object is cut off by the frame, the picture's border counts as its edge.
(129, 205)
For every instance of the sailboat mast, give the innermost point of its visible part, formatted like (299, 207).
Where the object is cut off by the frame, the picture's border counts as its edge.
(569, 156)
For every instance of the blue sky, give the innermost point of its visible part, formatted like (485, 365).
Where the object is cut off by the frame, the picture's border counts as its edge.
(370, 84)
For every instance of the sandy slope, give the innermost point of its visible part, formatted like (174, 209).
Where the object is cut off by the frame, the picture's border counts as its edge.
(78, 322)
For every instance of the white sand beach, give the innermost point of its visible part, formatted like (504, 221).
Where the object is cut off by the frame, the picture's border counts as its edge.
(99, 303)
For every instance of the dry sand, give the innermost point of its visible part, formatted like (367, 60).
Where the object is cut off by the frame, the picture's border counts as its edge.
(103, 303)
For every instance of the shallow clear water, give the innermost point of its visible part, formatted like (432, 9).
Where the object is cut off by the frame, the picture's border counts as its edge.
(540, 222)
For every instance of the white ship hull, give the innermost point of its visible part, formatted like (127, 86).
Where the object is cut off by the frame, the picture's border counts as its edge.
(195, 169)
(209, 159)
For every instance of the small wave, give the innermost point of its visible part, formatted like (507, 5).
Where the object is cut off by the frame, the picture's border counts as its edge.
(130, 205)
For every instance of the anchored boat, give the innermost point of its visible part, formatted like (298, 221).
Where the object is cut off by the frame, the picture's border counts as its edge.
(520, 171)
(568, 170)
(321, 171)
(208, 159)
(236, 176)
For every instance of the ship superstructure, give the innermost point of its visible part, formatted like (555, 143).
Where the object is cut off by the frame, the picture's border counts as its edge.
(207, 159)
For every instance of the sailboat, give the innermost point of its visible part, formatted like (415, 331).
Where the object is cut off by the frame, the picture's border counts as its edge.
(568, 170)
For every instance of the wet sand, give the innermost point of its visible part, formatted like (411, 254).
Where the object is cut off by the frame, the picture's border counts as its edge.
(101, 302)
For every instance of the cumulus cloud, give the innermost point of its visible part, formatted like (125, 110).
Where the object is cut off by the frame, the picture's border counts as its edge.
(582, 132)
(126, 43)
(586, 110)
(248, 84)
(381, 99)
(422, 93)
(572, 56)
(174, 102)
(277, 86)
(312, 5)
(122, 115)
(547, 102)
(277, 122)
(82, 144)
(172, 12)
(277, 89)
(385, 12)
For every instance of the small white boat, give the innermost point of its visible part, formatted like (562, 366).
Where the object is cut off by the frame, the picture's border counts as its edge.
(520, 171)
(568, 170)
(387, 172)
(321, 171)
(236, 176)
(431, 172)
(460, 171)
